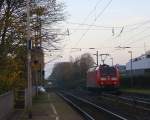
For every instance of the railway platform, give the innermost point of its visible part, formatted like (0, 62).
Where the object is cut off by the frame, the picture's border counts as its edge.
(48, 106)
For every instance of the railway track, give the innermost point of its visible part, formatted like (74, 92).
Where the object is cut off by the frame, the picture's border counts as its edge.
(120, 107)
(139, 97)
(138, 102)
(90, 110)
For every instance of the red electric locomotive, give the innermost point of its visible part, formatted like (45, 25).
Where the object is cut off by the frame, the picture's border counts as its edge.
(104, 76)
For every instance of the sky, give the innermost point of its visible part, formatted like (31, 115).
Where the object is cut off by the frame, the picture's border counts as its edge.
(104, 25)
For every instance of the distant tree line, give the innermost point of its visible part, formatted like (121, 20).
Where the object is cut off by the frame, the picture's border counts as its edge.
(72, 74)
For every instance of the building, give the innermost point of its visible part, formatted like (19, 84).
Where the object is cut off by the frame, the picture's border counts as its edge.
(140, 65)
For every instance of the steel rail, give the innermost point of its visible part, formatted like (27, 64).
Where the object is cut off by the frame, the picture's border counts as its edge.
(130, 99)
(75, 106)
(98, 107)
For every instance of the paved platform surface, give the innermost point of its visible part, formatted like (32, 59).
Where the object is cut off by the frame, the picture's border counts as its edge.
(48, 107)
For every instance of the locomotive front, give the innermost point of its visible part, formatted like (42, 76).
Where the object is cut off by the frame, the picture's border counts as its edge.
(108, 77)
(103, 77)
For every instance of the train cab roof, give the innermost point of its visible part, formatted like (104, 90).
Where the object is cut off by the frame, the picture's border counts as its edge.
(95, 68)
(103, 66)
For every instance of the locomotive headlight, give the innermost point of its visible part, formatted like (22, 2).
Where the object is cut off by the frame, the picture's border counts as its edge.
(113, 78)
(103, 78)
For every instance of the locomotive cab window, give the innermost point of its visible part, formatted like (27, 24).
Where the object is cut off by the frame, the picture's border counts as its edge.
(108, 71)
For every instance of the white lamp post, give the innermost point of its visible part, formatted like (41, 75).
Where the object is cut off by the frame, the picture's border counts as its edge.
(131, 68)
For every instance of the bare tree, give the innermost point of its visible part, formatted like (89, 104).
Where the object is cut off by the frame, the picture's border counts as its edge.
(46, 15)
(86, 61)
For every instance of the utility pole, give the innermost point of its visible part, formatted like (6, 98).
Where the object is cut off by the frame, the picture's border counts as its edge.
(29, 46)
(131, 71)
(144, 48)
(97, 58)
(97, 54)
(112, 61)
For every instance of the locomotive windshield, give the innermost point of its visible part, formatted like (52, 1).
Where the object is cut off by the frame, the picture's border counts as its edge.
(108, 71)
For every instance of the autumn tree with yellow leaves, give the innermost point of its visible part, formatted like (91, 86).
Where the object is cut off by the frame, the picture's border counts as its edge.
(13, 51)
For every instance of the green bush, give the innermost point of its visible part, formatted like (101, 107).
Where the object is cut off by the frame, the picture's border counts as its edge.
(3, 86)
